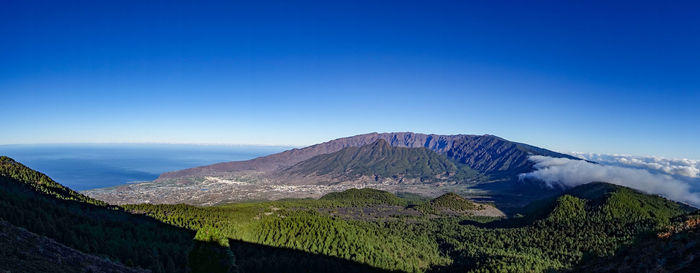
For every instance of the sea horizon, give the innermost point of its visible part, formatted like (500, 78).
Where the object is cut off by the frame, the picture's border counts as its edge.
(84, 166)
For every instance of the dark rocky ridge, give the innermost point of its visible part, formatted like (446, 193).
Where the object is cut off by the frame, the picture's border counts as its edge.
(485, 153)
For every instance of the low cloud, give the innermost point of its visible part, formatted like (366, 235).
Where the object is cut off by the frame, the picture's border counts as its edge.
(571, 173)
(672, 166)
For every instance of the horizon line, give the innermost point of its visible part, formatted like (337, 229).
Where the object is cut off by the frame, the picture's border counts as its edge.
(156, 143)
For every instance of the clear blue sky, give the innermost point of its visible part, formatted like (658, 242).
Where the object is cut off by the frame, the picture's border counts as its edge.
(607, 77)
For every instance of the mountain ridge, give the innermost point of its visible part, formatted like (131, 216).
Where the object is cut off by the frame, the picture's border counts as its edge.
(381, 161)
(485, 153)
(487, 166)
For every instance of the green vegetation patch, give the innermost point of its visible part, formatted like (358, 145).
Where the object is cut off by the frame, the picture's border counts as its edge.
(381, 160)
(364, 197)
(571, 227)
(448, 202)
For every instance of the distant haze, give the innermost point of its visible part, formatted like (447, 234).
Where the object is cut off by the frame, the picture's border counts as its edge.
(86, 166)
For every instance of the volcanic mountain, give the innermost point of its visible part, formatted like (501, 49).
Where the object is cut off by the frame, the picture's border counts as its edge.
(426, 164)
(485, 153)
(380, 160)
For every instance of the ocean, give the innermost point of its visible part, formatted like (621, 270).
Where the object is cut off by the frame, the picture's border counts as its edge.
(88, 166)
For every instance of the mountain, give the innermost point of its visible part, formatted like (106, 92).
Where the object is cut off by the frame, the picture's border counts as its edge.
(380, 160)
(429, 165)
(485, 153)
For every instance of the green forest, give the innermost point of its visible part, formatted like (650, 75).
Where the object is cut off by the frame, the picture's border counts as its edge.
(595, 220)
(381, 160)
(358, 230)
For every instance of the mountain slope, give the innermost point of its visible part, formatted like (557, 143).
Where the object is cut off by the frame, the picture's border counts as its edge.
(675, 250)
(604, 202)
(486, 153)
(40, 182)
(47, 227)
(24, 251)
(33, 201)
(481, 166)
(380, 160)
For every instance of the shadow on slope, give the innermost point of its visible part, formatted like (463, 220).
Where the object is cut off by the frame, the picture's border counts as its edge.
(511, 195)
(47, 211)
(252, 257)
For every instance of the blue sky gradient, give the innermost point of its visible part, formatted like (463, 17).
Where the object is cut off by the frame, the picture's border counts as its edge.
(601, 77)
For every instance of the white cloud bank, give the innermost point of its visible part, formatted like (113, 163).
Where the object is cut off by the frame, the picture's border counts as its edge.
(673, 166)
(571, 173)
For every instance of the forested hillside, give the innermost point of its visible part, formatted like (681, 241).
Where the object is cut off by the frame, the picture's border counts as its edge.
(380, 160)
(588, 222)
(34, 201)
(358, 230)
(675, 248)
(50, 228)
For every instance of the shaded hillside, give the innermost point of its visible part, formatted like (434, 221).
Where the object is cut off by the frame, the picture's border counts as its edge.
(380, 160)
(24, 251)
(485, 153)
(39, 182)
(676, 249)
(254, 258)
(33, 201)
(47, 227)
